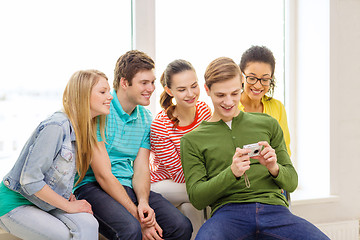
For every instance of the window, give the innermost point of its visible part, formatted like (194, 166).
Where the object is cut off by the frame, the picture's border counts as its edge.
(43, 43)
(308, 94)
(200, 31)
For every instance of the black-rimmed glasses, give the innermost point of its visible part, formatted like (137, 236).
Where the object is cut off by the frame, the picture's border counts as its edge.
(253, 80)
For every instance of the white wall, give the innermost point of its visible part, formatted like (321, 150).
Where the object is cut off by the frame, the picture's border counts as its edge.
(344, 118)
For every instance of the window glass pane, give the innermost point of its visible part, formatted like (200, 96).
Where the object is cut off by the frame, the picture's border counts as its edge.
(42, 43)
(200, 31)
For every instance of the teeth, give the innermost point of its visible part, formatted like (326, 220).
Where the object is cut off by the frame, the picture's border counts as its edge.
(256, 91)
(226, 107)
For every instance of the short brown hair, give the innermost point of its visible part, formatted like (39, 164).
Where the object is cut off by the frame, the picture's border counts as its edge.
(129, 64)
(221, 69)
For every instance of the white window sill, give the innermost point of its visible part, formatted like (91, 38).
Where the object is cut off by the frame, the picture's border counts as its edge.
(300, 197)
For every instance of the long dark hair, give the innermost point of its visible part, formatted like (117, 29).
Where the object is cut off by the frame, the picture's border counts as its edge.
(176, 66)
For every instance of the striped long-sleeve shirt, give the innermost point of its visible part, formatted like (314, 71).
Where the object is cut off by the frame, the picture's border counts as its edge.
(165, 162)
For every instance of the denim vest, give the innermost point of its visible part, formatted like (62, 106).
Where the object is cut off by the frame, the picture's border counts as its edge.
(48, 157)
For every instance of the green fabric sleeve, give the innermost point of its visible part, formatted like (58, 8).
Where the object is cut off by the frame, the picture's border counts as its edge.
(202, 192)
(287, 178)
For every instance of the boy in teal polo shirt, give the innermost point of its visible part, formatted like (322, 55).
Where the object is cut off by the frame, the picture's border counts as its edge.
(118, 183)
(244, 193)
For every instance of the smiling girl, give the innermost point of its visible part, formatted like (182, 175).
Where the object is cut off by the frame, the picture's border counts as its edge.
(180, 82)
(36, 200)
(257, 67)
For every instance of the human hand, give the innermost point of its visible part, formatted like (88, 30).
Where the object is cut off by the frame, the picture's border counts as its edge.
(153, 232)
(241, 162)
(72, 198)
(146, 214)
(268, 158)
(77, 206)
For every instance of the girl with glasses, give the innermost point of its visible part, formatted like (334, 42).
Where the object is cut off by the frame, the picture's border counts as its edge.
(257, 67)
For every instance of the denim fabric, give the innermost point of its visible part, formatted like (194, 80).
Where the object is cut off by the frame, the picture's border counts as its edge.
(31, 223)
(176, 194)
(48, 157)
(115, 222)
(257, 221)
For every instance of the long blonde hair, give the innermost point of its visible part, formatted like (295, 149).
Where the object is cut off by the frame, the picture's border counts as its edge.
(76, 103)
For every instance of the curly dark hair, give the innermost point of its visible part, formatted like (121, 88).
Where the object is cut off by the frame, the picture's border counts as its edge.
(259, 54)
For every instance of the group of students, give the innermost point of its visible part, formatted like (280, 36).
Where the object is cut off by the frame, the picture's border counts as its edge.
(104, 165)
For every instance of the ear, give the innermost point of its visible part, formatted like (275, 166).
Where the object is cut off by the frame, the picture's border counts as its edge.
(124, 83)
(168, 91)
(207, 90)
(242, 78)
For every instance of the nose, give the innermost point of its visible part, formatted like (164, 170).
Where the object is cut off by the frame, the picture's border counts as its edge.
(150, 87)
(110, 97)
(258, 84)
(228, 100)
(190, 93)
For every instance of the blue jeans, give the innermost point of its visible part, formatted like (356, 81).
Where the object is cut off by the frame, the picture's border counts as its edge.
(115, 222)
(257, 221)
(30, 222)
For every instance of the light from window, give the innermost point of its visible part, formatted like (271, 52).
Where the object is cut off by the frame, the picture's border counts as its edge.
(200, 31)
(43, 43)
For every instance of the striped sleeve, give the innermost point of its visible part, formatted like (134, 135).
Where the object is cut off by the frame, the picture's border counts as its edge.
(204, 112)
(167, 163)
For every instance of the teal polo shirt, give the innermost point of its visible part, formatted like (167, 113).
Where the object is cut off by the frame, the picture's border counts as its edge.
(125, 134)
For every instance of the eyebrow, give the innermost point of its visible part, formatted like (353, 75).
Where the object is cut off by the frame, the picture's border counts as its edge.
(266, 74)
(147, 80)
(190, 85)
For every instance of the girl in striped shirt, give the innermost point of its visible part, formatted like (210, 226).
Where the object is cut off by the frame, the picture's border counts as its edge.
(180, 82)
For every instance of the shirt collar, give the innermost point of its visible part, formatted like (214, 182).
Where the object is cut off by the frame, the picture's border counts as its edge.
(120, 110)
(263, 100)
(239, 117)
